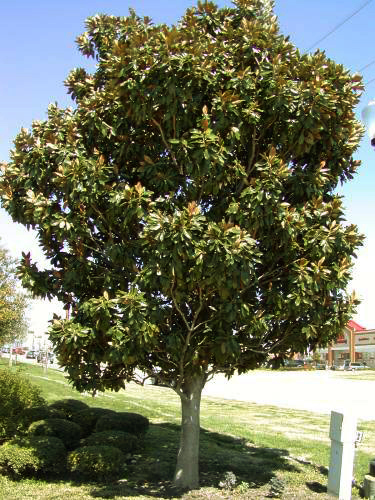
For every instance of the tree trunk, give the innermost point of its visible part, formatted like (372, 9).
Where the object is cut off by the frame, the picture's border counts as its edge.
(187, 468)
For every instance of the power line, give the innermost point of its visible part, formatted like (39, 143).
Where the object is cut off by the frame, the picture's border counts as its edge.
(367, 65)
(368, 83)
(340, 24)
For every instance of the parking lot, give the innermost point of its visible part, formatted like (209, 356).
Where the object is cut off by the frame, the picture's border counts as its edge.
(21, 358)
(317, 391)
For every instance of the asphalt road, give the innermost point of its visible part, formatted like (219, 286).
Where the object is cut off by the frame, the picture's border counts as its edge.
(316, 391)
(320, 391)
(21, 358)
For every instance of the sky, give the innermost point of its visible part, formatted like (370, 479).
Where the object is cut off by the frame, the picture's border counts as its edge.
(37, 52)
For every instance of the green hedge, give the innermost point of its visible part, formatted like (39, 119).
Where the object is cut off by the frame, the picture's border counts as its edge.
(124, 441)
(123, 421)
(69, 406)
(96, 463)
(39, 413)
(88, 417)
(32, 455)
(16, 394)
(69, 432)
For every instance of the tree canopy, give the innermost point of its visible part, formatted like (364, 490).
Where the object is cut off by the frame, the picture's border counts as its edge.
(13, 302)
(187, 202)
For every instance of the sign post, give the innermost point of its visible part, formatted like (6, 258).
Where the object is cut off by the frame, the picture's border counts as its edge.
(343, 434)
(369, 482)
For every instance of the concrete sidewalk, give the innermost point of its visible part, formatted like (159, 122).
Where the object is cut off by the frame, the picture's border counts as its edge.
(320, 391)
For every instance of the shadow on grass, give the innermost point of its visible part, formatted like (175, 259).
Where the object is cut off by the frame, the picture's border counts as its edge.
(151, 470)
(316, 487)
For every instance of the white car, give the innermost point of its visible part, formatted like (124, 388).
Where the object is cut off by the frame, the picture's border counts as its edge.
(357, 366)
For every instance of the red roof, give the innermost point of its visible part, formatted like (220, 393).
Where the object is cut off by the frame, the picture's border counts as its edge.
(355, 326)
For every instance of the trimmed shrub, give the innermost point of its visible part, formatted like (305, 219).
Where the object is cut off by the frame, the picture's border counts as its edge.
(124, 441)
(16, 394)
(69, 406)
(122, 421)
(96, 462)
(87, 418)
(36, 413)
(69, 432)
(32, 455)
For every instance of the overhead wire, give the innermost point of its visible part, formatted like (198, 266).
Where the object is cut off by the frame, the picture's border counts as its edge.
(340, 24)
(354, 13)
(367, 65)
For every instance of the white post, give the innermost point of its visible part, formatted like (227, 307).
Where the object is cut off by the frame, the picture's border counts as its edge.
(342, 433)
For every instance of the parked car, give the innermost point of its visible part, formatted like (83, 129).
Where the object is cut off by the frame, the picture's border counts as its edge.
(41, 357)
(320, 366)
(5, 350)
(31, 354)
(346, 365)
(294, 363)
(18, 350)
(356, 366)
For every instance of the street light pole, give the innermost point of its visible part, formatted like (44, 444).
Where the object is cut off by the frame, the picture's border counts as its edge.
(368, 117)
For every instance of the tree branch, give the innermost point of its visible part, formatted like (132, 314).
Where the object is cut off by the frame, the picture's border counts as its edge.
(251, 157)
(200, 324)
(190, 329)
(198, 310)
(210, 375)
(276, 270)
(179, 310)
(250, 162)
(167, 145)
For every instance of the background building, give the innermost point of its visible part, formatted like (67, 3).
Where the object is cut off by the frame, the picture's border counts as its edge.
(356, 343)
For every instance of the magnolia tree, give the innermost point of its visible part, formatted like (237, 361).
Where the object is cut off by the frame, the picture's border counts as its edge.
(13, 302)
(187, 203)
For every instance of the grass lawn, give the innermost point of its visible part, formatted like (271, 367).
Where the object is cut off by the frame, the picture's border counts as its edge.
(356, 375)
(257, 443)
